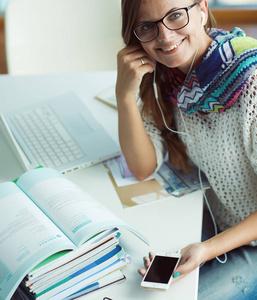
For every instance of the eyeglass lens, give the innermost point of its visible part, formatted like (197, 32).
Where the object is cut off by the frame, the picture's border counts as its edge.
(174, 20)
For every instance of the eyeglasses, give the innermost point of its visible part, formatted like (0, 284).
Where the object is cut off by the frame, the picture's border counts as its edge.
(173, 20)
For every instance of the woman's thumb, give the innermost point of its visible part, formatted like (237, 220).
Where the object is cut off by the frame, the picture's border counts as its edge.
(184, 268)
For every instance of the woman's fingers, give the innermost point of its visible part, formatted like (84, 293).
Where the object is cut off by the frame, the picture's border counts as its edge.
(133, 63)
(142, 272)
(146, 60)
(133, 54)
(151, 255)
(147, 261)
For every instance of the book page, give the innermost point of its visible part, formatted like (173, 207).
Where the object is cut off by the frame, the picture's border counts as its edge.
(73, 210)
(26, 237)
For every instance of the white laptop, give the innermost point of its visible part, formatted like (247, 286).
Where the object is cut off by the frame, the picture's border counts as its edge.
(59, 133)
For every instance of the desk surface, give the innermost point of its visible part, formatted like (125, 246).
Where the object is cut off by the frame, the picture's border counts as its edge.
(168, 224)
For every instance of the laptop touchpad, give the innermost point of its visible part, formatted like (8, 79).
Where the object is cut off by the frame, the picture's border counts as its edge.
(77, 124)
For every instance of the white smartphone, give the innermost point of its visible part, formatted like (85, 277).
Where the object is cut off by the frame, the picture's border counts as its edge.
(159, 273)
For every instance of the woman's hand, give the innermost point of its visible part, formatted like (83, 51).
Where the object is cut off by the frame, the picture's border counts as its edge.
(191, 257)
(136, 146)
(195, 254)
(133, 64)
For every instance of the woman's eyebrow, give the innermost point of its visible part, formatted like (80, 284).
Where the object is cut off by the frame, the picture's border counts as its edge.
(150, 21)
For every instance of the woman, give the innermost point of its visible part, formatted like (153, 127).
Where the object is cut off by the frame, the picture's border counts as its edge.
(203, 111)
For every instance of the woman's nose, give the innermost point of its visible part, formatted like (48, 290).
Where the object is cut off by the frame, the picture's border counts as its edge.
(164, 32)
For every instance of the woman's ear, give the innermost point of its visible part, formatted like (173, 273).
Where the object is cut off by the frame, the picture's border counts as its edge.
(204, 12)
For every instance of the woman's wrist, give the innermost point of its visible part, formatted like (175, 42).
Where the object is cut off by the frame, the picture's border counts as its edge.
(216, 246)
(127, 104)
(124, 92)
(208, 250)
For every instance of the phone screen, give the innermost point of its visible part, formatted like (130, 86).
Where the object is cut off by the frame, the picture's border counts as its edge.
(161, 269)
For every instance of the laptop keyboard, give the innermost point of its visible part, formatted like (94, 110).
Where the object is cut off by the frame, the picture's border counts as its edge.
(46, 137)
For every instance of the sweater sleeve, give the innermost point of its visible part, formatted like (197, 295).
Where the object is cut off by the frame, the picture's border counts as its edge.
(250, 119)
(155, 135)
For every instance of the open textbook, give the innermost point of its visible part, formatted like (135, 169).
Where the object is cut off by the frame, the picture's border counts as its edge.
(43, 214)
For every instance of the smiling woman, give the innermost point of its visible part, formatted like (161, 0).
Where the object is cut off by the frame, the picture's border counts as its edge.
(172, 48)
(198, 96)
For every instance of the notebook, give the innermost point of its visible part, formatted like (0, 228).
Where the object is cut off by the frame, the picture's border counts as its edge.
(59, 133)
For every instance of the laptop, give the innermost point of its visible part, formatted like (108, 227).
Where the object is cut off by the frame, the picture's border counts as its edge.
(59, 133)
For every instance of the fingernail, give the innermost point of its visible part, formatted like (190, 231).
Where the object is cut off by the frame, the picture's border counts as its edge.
(144, 260)
(149, 255)
(139, 273)
(176, 275)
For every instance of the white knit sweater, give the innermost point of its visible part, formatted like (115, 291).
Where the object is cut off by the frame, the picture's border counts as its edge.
(225, 147)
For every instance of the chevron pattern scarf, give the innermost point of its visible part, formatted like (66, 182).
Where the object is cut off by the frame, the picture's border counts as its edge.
(218, 80)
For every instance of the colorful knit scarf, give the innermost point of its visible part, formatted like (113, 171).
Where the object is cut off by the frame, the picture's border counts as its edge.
(218, 80)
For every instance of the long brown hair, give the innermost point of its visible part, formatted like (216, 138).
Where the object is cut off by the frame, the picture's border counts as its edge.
(176, 149)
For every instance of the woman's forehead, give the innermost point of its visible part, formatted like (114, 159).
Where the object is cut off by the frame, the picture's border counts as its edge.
(151, 10)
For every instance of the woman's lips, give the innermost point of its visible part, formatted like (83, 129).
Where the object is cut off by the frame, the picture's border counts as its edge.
(170, 49)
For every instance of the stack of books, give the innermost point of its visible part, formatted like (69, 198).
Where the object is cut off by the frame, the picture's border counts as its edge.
(56, 241)
(96, 264)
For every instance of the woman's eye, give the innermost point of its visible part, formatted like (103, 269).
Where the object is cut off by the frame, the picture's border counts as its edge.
(174, 16)
(146, 27)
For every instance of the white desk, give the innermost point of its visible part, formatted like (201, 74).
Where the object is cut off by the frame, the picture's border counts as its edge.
(168, 224)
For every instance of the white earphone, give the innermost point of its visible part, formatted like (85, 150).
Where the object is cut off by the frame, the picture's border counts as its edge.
(203, 19)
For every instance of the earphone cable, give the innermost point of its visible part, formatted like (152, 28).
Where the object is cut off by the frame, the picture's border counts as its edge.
(211, 214)
(158, 103)
(203, 192)
(190, 140)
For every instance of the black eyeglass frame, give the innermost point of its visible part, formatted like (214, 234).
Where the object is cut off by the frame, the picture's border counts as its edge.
(161, 20)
